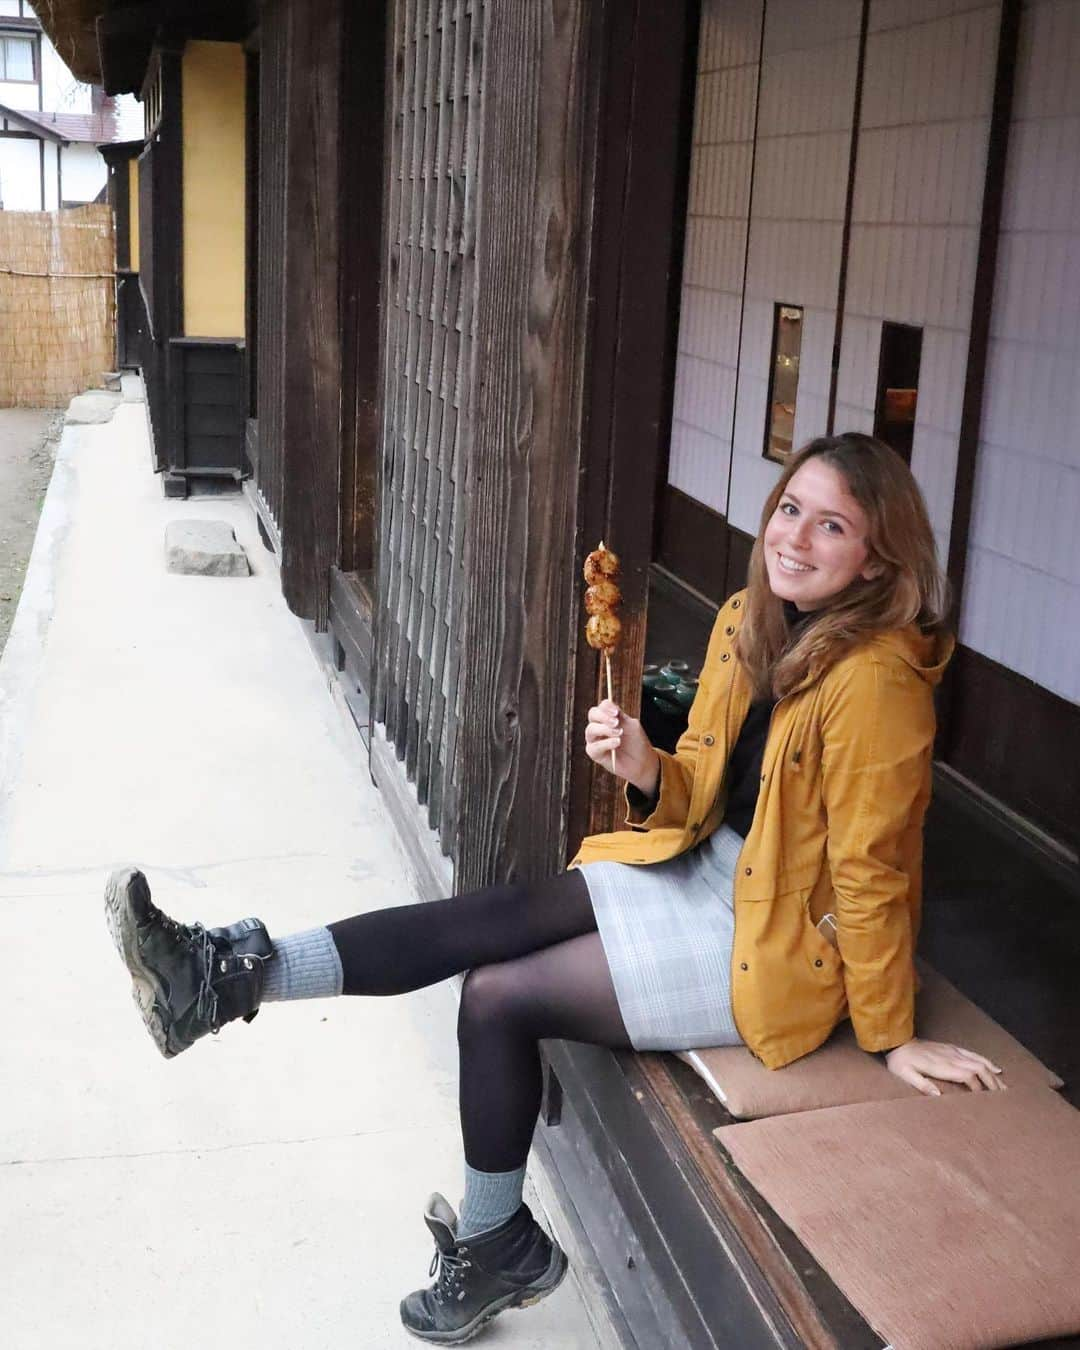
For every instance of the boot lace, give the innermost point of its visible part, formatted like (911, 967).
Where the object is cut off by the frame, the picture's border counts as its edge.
(197, 937)
(207, 1003)
(450, 1286)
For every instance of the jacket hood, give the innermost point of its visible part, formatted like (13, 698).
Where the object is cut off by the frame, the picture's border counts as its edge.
(926, 653)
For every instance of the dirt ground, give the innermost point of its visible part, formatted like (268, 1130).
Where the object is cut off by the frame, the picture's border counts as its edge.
(28, 439)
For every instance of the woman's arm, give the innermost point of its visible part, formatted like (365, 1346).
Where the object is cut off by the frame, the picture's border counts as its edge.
(877, 733)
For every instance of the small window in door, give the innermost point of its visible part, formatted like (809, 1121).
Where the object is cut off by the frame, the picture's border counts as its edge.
(783, 380)
(898, 386)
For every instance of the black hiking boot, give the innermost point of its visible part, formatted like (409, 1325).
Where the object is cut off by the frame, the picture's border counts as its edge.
(511, 1266)
(186, 980)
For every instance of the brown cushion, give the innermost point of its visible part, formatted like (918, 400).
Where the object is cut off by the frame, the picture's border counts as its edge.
(950, 1223)
(840, 1073)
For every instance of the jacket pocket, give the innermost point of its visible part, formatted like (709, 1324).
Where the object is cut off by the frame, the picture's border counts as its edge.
(822, 952)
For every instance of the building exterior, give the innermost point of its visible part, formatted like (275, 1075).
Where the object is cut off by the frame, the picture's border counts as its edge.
(50, 123)
(454, 289)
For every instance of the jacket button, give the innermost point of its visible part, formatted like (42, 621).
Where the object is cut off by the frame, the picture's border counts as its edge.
(743, 965)
(708, 740)
(749, 871)
(730, 629)
(725, 656)
(763, 778)
(695, 827)
(735, 604)
(818, 962)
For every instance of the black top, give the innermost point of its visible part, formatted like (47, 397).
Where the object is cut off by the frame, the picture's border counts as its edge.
(744, 765)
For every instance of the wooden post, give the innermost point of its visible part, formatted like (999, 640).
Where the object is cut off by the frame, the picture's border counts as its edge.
(521, 569)
(312, 415)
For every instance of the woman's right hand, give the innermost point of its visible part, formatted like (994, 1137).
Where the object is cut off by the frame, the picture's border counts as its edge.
(636, 760)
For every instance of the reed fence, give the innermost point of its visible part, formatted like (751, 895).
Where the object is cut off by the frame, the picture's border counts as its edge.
(57, 304)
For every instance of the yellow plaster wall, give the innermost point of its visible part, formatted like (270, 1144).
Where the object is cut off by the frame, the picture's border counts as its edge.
(213, 213)
(133, 212)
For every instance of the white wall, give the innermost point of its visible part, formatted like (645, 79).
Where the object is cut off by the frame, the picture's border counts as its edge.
(1022, 601)
(20, 175)
(927, 93)
(83, 173)
(10, 7)
(715, 251)
(60, 91)
(19, 96)
(807, 104)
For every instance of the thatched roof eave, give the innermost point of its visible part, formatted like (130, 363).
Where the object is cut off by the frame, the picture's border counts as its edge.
(71, 26)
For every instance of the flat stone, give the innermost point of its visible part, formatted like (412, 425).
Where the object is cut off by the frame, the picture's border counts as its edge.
(98, 405)
(204, 548)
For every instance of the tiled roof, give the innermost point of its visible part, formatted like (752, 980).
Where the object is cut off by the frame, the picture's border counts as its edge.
(104, 127)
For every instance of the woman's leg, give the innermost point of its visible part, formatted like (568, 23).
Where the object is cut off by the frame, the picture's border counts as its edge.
(560, 992)
(189, 980)
(496, 1255)
(392, 951)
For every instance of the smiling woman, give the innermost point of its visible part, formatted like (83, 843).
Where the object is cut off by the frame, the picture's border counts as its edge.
(844, 531)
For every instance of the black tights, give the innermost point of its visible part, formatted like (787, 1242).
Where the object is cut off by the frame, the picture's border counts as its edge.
(537, 970)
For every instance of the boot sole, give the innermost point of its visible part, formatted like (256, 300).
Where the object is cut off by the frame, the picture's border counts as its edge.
(120, 917)
(520, 1298)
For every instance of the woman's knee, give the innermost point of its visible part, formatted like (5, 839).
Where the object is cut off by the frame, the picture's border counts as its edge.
(490, 994)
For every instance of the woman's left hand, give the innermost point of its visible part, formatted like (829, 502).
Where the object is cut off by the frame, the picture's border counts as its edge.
(920, 1062)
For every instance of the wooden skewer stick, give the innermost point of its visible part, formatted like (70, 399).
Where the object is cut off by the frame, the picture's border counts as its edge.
(607, 664)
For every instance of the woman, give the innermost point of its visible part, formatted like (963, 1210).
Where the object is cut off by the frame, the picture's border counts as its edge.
(798, 791)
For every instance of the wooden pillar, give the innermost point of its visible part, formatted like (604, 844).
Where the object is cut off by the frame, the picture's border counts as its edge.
(521, 573)
(312, 385)
(362, 173)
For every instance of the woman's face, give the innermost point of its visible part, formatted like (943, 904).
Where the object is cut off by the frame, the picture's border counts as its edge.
(815, 541)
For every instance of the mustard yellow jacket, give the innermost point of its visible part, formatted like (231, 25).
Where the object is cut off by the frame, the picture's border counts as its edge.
(838, 830)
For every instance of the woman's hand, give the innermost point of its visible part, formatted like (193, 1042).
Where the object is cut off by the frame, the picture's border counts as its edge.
(609, 728)
(919, 1062)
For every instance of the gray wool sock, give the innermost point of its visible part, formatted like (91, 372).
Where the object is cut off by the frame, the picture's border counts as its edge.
(304, 965)
(490, 1199)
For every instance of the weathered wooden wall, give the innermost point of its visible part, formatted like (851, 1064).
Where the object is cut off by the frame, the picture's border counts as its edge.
(427, 389)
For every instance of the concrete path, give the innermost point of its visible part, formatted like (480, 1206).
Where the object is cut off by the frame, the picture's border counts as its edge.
(265, 1189)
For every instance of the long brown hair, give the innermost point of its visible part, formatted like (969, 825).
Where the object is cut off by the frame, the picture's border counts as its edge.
(909, 586)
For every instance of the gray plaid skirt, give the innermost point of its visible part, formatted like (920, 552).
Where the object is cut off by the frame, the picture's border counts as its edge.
(668, 930)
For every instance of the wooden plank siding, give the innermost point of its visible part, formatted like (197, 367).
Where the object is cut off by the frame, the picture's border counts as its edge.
(427, 384)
